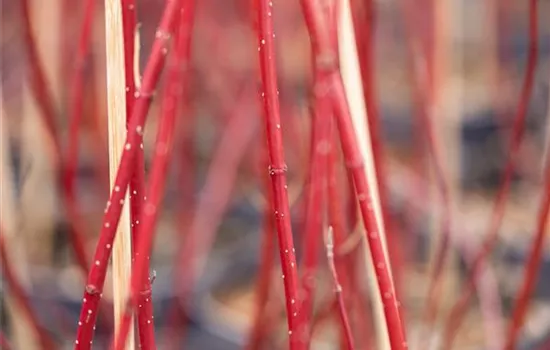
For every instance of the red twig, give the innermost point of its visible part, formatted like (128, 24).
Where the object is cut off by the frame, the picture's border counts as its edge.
(4, 343)
(75, 120)
(338, 291)
(45, 102)
(70, 164)
(215, 196)
(364, 25)
(96, 278)
(423, 96)
(325, 53)
(68, 10)
(459, 308)
(18, 292)
(146, 326)
(265, 274)
(315, 197)
(532, 267)
(277, 171)
(345, 266)
(37, 76)
(176, 84)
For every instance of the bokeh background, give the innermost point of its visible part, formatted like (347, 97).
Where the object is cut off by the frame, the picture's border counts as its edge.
(484, 63)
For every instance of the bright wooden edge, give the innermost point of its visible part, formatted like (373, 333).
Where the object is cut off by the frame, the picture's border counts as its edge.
(351, 76)
(116, 108)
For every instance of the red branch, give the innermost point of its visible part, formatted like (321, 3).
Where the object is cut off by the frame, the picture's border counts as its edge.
(423, 94)
(460, 307)
(364, 25)
(326, 55)
(348, 337)
(277, 170)
(146, 326)
(96, 278)
(175, 87)
(265, 274)
(532, 267)
(315, 195)
(45, 102)
(18, 293)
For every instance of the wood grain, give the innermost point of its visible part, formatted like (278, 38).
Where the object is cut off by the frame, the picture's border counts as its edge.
(116, 109)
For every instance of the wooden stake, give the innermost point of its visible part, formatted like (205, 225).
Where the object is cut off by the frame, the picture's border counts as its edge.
(351, 76)
(116, 112)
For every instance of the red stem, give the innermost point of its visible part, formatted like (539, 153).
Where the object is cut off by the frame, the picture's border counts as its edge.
(75, 121)
(175, 86)
(459, 308)
(355, 163)
(70, 164)
(96, 278)
(137, 182)
(315, 197)
(344, 319)
(364, 25)
(265, 274)
(345, 266)
(146, 325)
(423, 95)
(98, 135)
(532, 267)
(326, 54)
(18, 292)
(68, 10)
(37, 76)
(4, 343)
(216, 194)
(277, 171)
(44, 99)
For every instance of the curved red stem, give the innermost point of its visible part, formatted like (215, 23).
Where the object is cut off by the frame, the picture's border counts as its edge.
(18, 292)
(532, 267)
(459, 308)
(98, 271)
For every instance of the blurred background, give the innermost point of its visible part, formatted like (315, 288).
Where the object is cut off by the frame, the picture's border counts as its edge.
(216, 185)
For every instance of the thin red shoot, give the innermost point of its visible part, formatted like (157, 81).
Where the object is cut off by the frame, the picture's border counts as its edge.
(175, 87)
(146, 326)
(316, 195)
(4, 343)
(265, 274)
(98, 271)
(325, 53)
(277, 171)
(423, 95)
(216, 195)
(532, 267)
(460, 307)
(18, 293)
(344, 260)
(344, 319)
(365, 25)
(45, 102)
